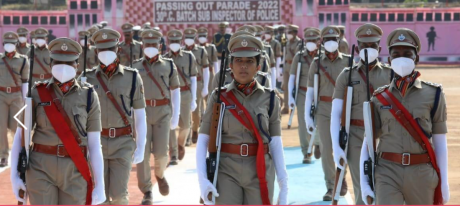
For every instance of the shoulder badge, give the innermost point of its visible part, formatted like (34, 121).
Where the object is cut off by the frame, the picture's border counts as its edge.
(346, 55)
(380, 89)
(432, 84)
(262, 73)
(346, 69)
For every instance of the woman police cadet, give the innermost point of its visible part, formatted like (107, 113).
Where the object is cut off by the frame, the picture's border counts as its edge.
(243, 176)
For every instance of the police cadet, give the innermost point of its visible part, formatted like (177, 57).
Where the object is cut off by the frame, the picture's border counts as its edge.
(202, 66)
(292, 47)
(186, 66)
(129, 45)
(332, 63)
(14, 70)
(23, 47)
(368, 36)
(212, 55)
(343, 44)
(42, 56)
(162, 94)
(121, 94)
(269, 68)
(251, 148)
(221, 39)
(276, 46)
(65, 133)
(32, 36)
(313, 41)
(91, 57)
(410, 119)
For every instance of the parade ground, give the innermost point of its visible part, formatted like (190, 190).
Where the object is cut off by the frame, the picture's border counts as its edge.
(306, 182)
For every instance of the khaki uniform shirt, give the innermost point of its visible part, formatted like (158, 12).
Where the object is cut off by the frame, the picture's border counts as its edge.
(276, 46)
(419, 101)
(21, 73)
(265, 63)
(270, 54)
(23, 49)
(258, 104)
(125, 55)
(75, 105)
(42, 55)
(306, 61)
(212, 54)
(201, 57)
(291, 49)
(326, 88)
(91, 59)
(186, 65)
(379, 76)
(343, 46)
(120, 86)
(165, 73)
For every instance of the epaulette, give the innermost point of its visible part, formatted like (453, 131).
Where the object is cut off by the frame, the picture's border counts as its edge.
(432, 84)
(166, 58)
(380, 89)
(264, 52)
(346, 69)
(262, 73)
(346, 55)
(316, 58)
(267, 44)
(39, 83)
(86, 85)
(23, 56)
(130, 69)
(92, 69)
(386, 65)
(185, 51)
(138, 60)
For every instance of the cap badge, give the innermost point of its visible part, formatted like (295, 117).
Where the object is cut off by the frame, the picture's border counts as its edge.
(150, 34)
(331, 31)
(246, 30)
(174, 34)
(104, 36)
(64, 47)
(311, 33)
(244, 43)
(10, 36)
(401, 37)
(368, 32)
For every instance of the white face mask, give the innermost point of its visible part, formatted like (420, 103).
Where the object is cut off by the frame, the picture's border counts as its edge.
(189, 42)
(403, 66)
(82, 42)
(150, 51)
(311, 46)
(268, 36)
(40, 42)
(107, 57)
(22, 39)
(203, 40)
(372, 54)
(290, 36)
(34, 41)
(9, 47)
(174, 47)
(63, 72)
(331, 46)
(259, 38)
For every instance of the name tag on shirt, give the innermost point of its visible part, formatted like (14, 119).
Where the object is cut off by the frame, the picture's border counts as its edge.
(355, 82)
(386, 107)
(230, 107)
(44, 104)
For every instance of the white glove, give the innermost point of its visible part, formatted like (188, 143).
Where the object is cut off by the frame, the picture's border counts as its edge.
(366, 190)
(276, 148)
(141, 131)
(175, 98)
(278, 62)
(193, 90)
(97, 165)
(308, 120)
(204, 91)
(335, 128)
(290, 89)
(216, 67)
(24, 88)
(16, 182)
(206, 186)
(440, 148)
(273, 79)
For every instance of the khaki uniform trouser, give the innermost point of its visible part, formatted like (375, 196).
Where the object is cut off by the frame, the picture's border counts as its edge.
(353, 156)
(237, 182)
(53, 180)
(304, 136)
(184, 124)
(285, 83)
(397, 184)
(118, 157)
(10, 104)
(323, 126)
(157, 143)
(196, 115)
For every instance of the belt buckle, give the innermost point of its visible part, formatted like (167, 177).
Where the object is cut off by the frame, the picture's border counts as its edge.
(154, 103)
(42, 76)
(59, 149)
(8, 90)
(112, 131)
(247, 150)
(404, 155)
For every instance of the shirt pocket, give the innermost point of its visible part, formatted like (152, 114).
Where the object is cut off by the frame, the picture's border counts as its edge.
(41, 118)
(80, 118)
(423, 119)
(262, 122)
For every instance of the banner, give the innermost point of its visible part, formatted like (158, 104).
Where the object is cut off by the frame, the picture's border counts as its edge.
(204, 11)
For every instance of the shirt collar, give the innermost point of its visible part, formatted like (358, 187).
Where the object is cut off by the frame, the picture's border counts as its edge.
(52, 82)
(417, 84)
(232, 86)
(377, 64)
(180, 52)
(339, 56)
(120, 69)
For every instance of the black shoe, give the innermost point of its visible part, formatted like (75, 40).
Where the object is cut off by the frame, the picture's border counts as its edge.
(148, 199)
(317, 152)
(173, 161)
(328, 196)
(3, 162)
(306, 159)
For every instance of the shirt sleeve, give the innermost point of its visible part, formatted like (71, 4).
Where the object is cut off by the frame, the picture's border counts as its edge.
(174, 79)
(275, 118)
(214, 53)
(340, 85)
(295, 60)
(206, 118)
(139, 99)
(440, 117)
(377, 122)
(204, 60)
(272, 58)
(278, 49)
(194, 70)
(93, 124)
(311, 74)
(25, 71)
